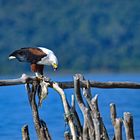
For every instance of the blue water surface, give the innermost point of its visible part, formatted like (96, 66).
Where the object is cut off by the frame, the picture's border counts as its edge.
(15, 109)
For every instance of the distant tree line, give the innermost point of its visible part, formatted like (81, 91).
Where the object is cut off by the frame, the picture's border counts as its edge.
(86, 35)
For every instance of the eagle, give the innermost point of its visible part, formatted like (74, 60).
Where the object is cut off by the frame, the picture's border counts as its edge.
(37, 57)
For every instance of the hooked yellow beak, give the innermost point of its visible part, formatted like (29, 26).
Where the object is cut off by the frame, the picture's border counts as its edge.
(54, 66)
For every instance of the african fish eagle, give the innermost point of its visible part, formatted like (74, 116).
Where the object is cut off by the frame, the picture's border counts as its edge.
(37, 57)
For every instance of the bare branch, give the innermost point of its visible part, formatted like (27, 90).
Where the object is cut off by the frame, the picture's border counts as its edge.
(42, 131)
(70, 84)
(128, 124)
(87, 118)
(76, 119)
(66, 109)
(100, 130)
(117, 122)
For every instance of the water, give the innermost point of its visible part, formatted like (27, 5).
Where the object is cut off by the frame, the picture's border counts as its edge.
(15, 109)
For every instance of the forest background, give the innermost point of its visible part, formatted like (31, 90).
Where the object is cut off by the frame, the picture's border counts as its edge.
(86, 35)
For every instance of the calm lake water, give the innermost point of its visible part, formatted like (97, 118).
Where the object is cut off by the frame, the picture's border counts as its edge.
(15, 109)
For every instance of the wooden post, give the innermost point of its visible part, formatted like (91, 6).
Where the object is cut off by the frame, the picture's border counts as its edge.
(42, 133)
(128, 124)
(100, 130)
(66, 109)
(117, 122)
(25, 133)
(84, 109)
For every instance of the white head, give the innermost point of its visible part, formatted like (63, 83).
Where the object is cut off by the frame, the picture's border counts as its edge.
(53, 61)
(50, 59)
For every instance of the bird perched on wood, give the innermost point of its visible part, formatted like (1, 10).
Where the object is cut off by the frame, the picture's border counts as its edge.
(37, 57)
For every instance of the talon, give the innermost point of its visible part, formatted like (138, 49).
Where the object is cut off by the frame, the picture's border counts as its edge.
(47, 79)
(38, 78)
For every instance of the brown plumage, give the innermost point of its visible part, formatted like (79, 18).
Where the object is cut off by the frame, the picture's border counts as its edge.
(37, 57)
(37, 68)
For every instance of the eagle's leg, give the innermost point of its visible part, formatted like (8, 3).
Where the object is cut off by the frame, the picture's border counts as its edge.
(43, 84)
(46, 78)
(42, 77)
(40, 71)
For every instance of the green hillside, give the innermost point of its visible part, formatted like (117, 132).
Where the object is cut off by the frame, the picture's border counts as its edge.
(86, 35)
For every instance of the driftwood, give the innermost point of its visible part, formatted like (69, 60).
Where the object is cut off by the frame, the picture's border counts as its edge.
(128, 124)
(25, 133)
(93, 127)
(93, 121)
(117, 122)
(100, 130)
(76, 119)
(88, 124)
(40, 125)
(70, 84)
(66, 109)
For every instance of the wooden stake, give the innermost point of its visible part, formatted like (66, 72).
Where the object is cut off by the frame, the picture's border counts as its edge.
(25, 133)
(84, 109)
(100, 130)
(42, 131)
(117, 122)
(128, 124)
